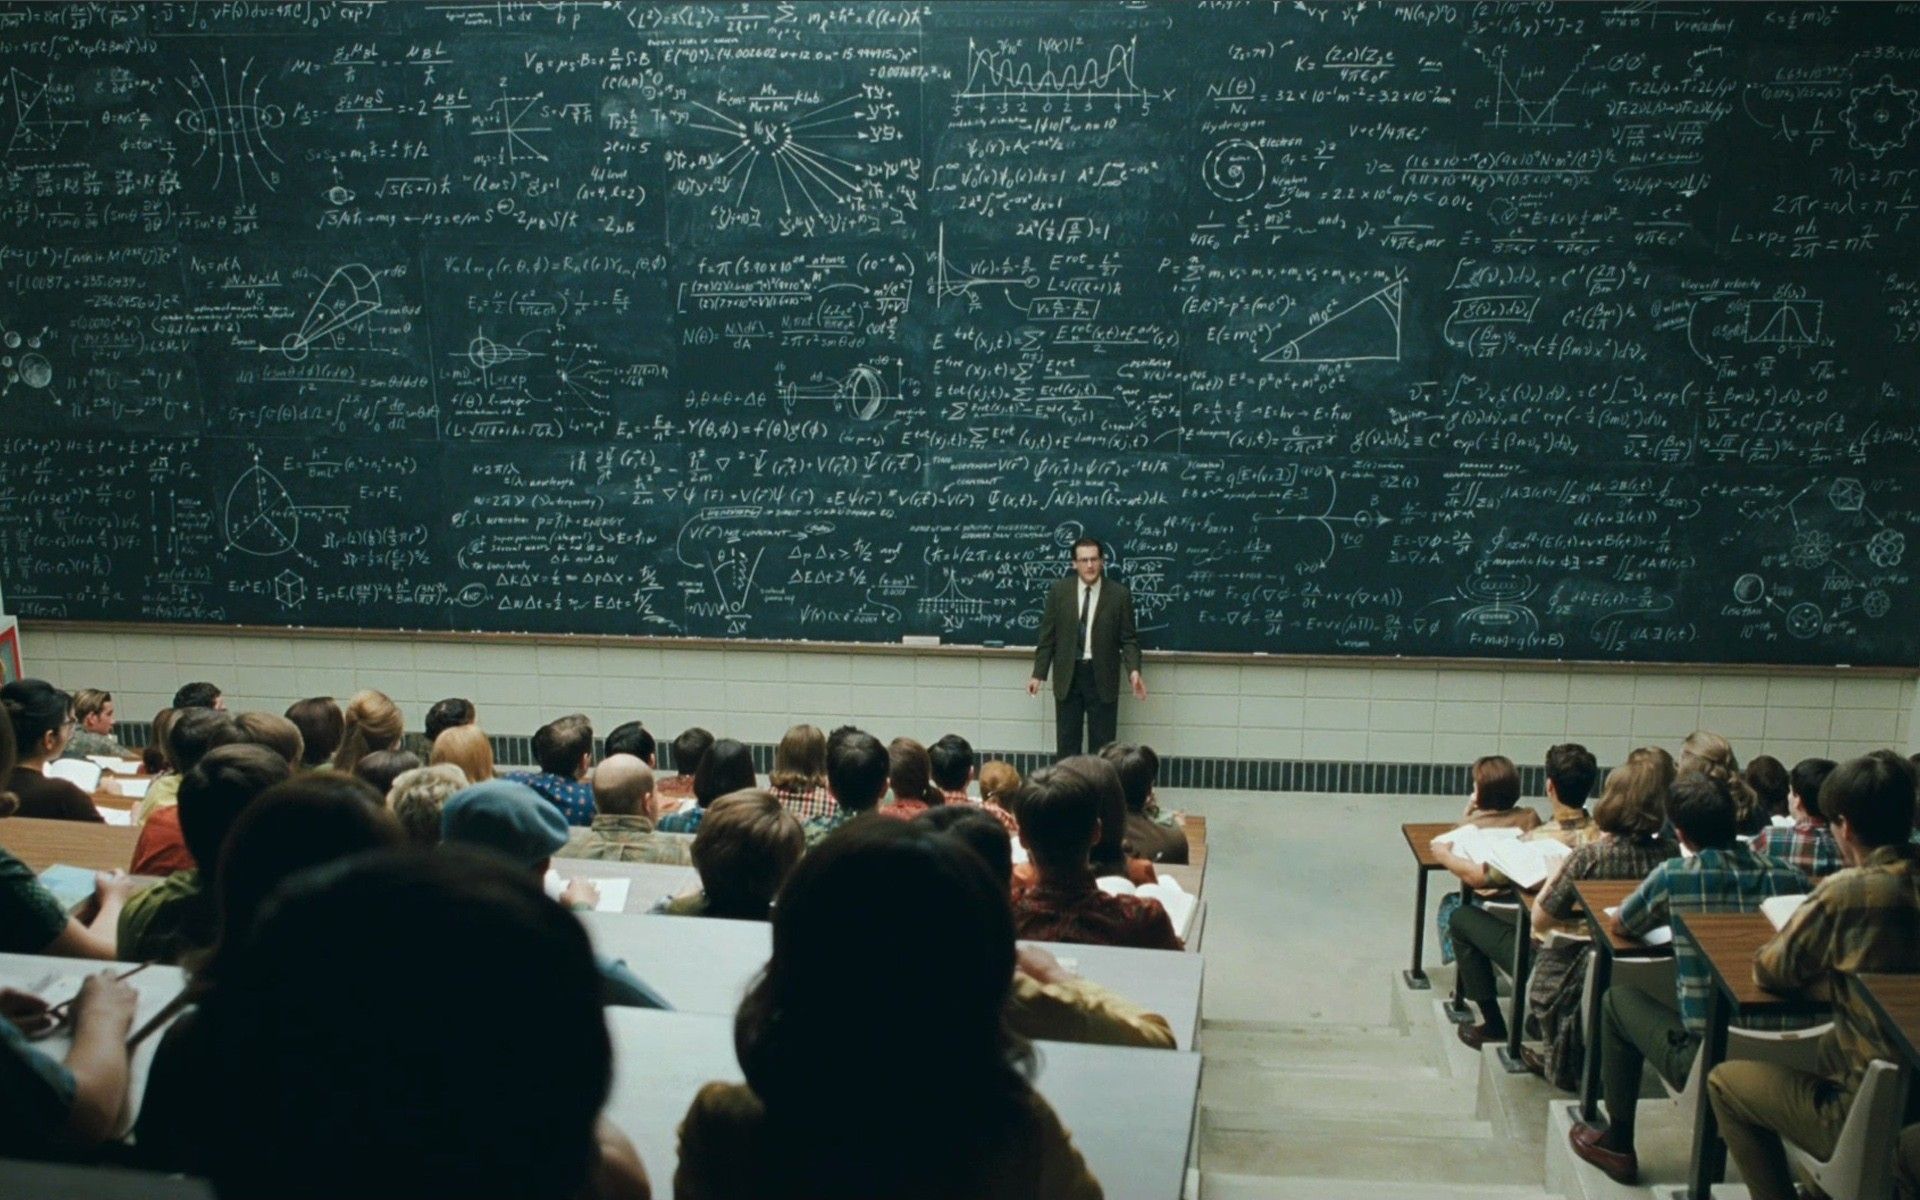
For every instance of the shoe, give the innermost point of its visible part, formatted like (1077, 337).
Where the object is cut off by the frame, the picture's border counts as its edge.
(1477, 1036)
(1584, 1141)
(1533, 1062)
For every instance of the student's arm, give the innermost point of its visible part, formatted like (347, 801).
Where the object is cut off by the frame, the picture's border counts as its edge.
(103, 1014)
(98, 937)
(1801, 955)
(1471, 873)
(1051, 1003)
(619, 1175)
(1646, 909)
(1557, 898)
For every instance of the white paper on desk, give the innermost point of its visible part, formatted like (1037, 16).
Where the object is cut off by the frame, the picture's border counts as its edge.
(613, 892)
(115, 816)
(1527, 863)
(1661, 935)
(1780, 909)
(119, 766)
(1473, 843)
(133, 789)
(76, 771)
(1179, 904)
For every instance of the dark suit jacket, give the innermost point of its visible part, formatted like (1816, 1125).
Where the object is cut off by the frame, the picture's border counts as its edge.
(1115, 642)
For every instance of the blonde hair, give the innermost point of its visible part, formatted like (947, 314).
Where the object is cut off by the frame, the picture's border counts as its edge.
(466, 747)
(417, 797)
(1634, 800)
(999, 780)
(1712, 755)
(800, 760)
(373, 722)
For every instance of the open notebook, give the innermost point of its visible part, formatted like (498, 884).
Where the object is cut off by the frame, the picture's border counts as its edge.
(1780, 909)
(1179, 904)
(1526, 863)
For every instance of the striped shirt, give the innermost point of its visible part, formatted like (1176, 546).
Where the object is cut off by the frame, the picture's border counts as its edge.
(1731, 880)
(1806, 847)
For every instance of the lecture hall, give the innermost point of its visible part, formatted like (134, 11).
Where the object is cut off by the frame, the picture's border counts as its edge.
(568, 564)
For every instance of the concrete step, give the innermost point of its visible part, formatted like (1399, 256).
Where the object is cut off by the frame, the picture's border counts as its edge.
(1514, 1104)
(1232, 1084)
(1219, 1185)
(1464, 1154)
(1412, 1006)
(1375, 1051)
(1663, 1140)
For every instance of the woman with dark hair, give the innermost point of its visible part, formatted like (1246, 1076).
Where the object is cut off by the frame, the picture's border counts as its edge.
(42, 720)
(816, 1035)
(321, 725)
(725, 768)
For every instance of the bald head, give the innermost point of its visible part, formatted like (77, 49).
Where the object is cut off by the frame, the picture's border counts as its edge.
(623, 786)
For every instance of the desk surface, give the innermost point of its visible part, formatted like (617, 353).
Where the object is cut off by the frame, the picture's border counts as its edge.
(1728, 942)
(705, 965)
(1195, 828)
(1130, 1111)
(57, 979)
(1420, 835)
(649, 881)
(1896, 998)
(1596, 897)
(89, 844)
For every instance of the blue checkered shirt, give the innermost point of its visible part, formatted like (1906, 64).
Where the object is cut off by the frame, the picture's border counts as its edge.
(573, 797)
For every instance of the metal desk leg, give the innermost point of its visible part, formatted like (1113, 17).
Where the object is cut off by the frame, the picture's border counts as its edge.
(1414, 976)
(1522, 969)
(1600, 963)
(1709, 1152)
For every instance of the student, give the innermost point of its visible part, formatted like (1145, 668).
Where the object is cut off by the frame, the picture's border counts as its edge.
(380, 768)
(176, 916)
(192, 733)
(910, 779)
(1480, 938)
(200, 695)
(371, 722)
(1767, 776)
(1059, 813)
(1865, 919)
(450, 713)
(623, 820)
(1636, 1029)
(322, 725)
(466, 747)
(276, 733)
(784, 1135)
(153, 756)
(49, 1109)
(744, 851)
(1110, 858)
(1630, 811)
(418, 797)
(688, 749)
(999, 781)
(1049, 1002)
(1153, 840)
(32, 921)
(951, 762)
(725, 768)
(632, 738)
(93, 709)
(317, 1085)
(42, 720)
(1807, 846)
(512, 820)
(799, 775)
(857, 772)
(1711, 754)
(564, 750)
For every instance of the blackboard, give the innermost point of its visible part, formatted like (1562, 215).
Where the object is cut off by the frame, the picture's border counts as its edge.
(1507, 330)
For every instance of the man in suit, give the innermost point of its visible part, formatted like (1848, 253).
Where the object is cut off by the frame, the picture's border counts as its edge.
(1086, 637)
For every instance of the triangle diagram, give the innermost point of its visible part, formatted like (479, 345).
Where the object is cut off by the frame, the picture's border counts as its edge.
(1368, 330)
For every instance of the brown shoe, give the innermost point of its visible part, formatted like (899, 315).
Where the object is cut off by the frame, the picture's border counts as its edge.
(1533, 1062)
(1584, 1141)
(1477, 1036)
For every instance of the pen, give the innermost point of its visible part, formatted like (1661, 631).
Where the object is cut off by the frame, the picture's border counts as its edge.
(59, 1011)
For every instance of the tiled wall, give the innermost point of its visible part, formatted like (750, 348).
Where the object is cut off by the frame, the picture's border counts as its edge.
(1196, 709)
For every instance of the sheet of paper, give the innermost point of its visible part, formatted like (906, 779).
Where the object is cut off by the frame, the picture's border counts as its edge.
(77, 771)
(1660, 936)
(613, 891)
(1474, 843)
(130, 786)
(1780, 909)
(71, 886)
(115, 816)
(119, 766)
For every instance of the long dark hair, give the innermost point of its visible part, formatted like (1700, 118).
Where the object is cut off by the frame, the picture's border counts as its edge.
(1110, 852)
(897, 941)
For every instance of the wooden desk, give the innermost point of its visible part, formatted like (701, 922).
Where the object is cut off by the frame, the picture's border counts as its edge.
(1596, 897)
(1130, 1111)
(40, 844)
(1420, 837)
(1196, 831)
(1727, 941)
(705, 965)
(1896, 1001)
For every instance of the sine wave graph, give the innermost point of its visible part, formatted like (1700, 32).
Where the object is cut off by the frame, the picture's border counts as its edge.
(1002, 72)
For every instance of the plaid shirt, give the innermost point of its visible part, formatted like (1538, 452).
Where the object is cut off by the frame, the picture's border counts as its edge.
(1612, 857)
(1862, 920)
(820, 827)
(573, 797)
(1806, 847)
(807, 804)
(1080, 912)
(1731, 880)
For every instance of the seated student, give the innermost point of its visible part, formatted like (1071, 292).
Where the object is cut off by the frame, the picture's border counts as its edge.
(1111, 855)
(176, 916)
(370, 722)
(466, 747)
(1630, 811)
(50, 1109)
(1494, 803)
(951, 762)
(857, 772)
(192, 732)
(418, 797)
(998, 782)
(42, 720)
(622, 829)
(688, 749)
(512, 820)
(631, 737)
(1767, 776)
(1721, 875)
(32, 921)
(1059, 813)
(836, 955)
(744, 851)
(1151, 839)
(93, 710)
(380, 768)
(725, 768)
(450, 713)
(1048, 1002)
(1865, 919)
(310, 1081)
(799, 775)
(564, 750)
(276, 733)
(1807, 846)
(321, 725)
(153, 756)
(910, 779)
(1480, 938)
(1711, 754)
(200, 694)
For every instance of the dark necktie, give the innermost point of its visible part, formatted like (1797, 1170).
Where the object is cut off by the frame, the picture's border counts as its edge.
(1086, 604)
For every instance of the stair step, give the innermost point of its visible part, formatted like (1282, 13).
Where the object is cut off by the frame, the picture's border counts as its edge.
(1321, 1049)
(1234, 1084)
(1380, 1150)
(1219, 1185)
(1226, 1119)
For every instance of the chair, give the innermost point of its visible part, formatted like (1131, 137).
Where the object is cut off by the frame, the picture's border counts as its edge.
(1861, 1165)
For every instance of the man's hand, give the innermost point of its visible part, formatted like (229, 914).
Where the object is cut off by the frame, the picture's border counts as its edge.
(580, 894)
(107, 999)
(1139, 687)
(1039, 965)
(27, 1012)
(1033, 685)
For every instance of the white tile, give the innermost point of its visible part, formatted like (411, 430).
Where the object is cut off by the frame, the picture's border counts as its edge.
(1880, 726)
(1324, 714)
(1206, 741)
(1404, 683)
(633, 662)
(1009, 736)
(1791, 751)
(1610, 749)
(1466, 716)
(1271, 742)
(262, 652)
(1801, 724)
(202, 651)
(818, 703)
(247, 686)
(79, 646)
(562, 694)
(1799, 691)
(1399, 747)
(336, 653)
(1667, 689)
(1335, 745)
(819, 668)
(383, 654)
(1738, 691)
(1734, 724)
(1402, 716)
(1209, 679)
(1534, 719)
(892, 669)
(159, 679)
(1668, 724)
(895, 701)
(1595, 687)
(1461, 747)
(945, 674)
(1534, 687)
(1271, 712)
(1339, 682)
(144, 647)
(1598, 720)
(1873, 693)
(1208, 711)
(1468, 685)
(1263, 680)
(567, 660)
(706, 695)
(946, 705)
(756, 666)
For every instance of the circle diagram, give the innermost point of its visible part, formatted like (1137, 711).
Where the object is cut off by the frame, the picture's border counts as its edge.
(1877, 604)
(1804, 619)
(1234, 170)
(261, 517)
(1887, 548)
(1749, 589)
